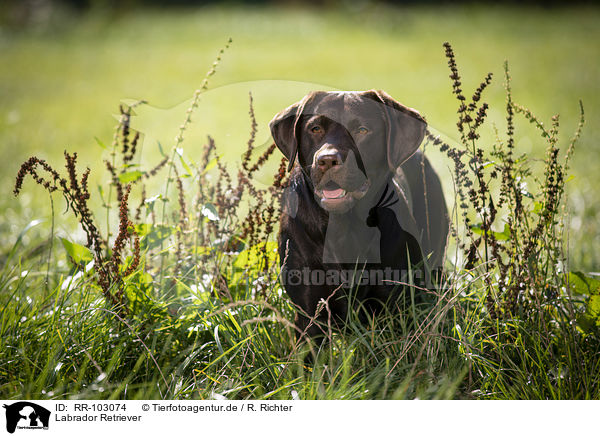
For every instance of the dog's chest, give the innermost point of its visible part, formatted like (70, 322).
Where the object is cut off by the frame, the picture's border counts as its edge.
(349, 240)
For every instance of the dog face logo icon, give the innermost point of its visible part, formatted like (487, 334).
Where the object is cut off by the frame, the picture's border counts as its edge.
(24, 414)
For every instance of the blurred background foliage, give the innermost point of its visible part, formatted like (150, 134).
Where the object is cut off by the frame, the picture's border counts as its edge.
(67, 65)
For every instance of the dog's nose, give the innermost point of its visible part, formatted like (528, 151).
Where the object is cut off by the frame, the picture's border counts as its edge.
(328, 159)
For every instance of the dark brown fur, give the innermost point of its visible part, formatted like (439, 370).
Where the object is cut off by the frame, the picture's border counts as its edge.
(356, 202)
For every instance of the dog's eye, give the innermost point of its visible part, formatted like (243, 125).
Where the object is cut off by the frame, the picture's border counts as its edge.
(316, 129)
(362, 130)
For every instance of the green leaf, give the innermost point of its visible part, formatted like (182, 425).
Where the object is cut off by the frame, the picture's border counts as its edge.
(500, 236)
(585, 322)
(581, 284)
(160, 149)
(201, 250)
(78, 253)
(151, 236)
(594, 307)
(210, 165)
(100, 143)
(130, 176)
(143, 229)
(210, 212)
(505, 235)
(101, 193)
(254, 255)
(537, 207)
(185, 166)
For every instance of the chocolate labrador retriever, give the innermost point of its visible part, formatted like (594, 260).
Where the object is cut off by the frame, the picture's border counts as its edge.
(364, 210)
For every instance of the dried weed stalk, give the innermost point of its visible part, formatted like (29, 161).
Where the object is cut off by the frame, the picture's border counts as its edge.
(508, 229)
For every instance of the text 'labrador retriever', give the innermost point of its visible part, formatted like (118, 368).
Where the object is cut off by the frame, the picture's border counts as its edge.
(364, 210)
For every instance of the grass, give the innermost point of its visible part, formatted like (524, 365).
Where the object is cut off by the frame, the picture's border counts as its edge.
(196, 317)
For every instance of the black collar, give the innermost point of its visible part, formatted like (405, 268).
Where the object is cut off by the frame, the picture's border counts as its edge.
(384, 201)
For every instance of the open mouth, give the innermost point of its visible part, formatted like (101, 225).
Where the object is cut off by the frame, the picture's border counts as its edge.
(332, 191)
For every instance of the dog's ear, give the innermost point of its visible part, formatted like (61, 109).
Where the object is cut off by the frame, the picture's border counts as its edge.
(405, 128)
(283, 131)
(285, 125)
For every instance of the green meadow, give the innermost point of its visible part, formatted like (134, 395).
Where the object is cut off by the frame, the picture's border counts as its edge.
(61, 84)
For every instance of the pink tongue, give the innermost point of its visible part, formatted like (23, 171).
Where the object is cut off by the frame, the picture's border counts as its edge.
(333, 194)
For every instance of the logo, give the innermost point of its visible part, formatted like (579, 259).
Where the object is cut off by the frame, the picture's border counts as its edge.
(26, 415)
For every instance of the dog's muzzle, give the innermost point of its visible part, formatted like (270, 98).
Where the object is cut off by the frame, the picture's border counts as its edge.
(341, 185)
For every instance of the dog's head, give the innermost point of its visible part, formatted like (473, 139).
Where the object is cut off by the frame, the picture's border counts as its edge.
(347, 142)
